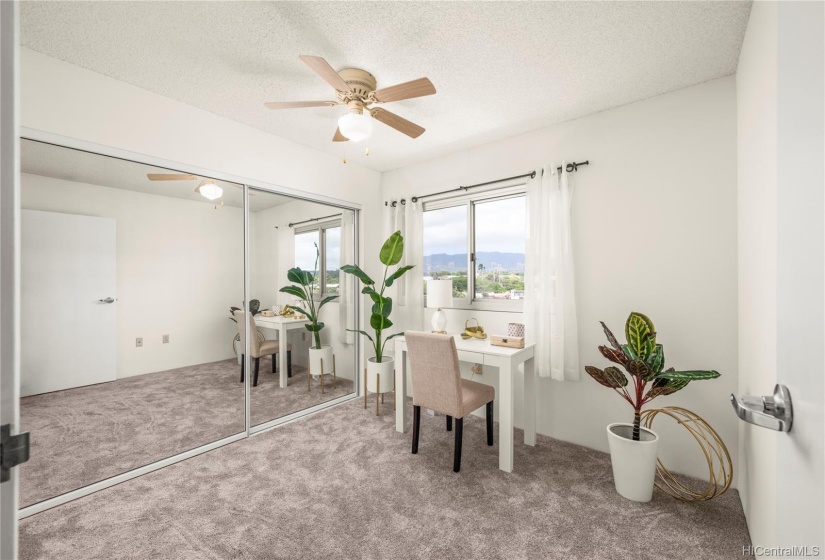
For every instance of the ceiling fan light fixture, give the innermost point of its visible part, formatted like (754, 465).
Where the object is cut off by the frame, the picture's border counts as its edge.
(210, 190)
(356, 126)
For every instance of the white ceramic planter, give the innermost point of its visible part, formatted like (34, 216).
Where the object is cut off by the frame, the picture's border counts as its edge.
(316, 355)
(381, 375)
(634, 462)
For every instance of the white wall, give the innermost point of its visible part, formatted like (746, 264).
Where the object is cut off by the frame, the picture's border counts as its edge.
(64, 99)
(654, 230)
(756, 89)
(179, 269)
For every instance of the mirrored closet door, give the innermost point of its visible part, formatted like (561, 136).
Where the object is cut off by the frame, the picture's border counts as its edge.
(129, 351)
(301, 352)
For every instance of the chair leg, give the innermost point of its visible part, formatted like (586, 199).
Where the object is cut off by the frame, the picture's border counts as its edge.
(490, 423)
(257, 366)
(459, 432)
(242, 367)
(289, 363)
(416, 427)
(449, 423)
(274, 361)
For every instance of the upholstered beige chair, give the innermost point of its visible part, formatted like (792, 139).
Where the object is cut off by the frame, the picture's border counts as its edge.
(437, 384)
(259, 347)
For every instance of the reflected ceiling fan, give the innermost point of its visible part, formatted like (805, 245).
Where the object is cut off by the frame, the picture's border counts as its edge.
(207, 188)
(356, 89)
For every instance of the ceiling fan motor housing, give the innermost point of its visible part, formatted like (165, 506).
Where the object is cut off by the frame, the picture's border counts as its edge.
(360, 81)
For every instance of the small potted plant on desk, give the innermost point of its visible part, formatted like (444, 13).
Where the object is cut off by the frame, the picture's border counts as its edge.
(321, 358)
(379, 372)
(633, 448)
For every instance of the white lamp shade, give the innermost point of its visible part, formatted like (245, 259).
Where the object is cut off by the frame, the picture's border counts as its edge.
(439, 293)
(210, 190)
(355, 126)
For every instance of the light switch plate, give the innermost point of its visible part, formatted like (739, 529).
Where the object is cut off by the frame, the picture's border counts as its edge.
(166, 339)
(139, 342)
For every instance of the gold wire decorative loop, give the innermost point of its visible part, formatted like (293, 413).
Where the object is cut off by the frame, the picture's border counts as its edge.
(720, 467)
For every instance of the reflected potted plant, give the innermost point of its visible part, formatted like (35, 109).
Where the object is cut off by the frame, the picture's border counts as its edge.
(303, 289)
(633, 448)
(380, 367)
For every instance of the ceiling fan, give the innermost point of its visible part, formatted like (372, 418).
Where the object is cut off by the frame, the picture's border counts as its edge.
(356, 89)
(207, 188)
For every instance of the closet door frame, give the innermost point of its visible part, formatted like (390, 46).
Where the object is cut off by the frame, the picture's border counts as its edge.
(81, 145)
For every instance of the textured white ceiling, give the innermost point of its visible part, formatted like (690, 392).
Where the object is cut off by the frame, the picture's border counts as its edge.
(500, 68)
(58, 162)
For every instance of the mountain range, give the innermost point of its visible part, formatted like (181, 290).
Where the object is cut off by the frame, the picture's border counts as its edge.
(491, 259)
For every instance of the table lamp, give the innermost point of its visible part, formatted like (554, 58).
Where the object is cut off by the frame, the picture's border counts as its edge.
(439, 294)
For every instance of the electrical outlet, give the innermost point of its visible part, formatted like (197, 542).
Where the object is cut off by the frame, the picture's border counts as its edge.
(139, 342)
(166, 339)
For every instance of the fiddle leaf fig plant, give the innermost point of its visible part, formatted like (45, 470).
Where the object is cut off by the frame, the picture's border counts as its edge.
(303, 288)
(644, 359)
(391, 253)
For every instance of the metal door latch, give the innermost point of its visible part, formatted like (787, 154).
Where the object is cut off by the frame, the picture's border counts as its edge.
(775, 413)
(14, 450)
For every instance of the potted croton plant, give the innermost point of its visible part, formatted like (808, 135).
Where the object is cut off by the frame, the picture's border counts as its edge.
(380, 367)
(304, 288)
(633, 448)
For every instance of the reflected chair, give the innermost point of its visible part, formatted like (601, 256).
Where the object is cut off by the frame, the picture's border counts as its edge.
(259, 348)
(437, 385)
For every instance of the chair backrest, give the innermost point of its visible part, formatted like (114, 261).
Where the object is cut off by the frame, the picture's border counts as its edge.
(255, 344)
(434, 372)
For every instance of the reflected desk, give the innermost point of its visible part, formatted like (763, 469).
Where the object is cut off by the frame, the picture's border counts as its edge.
(282, 325)
(507, 361)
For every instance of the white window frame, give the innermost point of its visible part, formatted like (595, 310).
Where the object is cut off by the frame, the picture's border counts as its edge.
(322, 248)
(469, 200)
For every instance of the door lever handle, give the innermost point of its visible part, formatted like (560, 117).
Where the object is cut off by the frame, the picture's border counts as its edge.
(107, 300)
(775, 413)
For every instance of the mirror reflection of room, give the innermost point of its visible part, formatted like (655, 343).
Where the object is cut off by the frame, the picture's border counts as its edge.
(299, 296)
(127, 271)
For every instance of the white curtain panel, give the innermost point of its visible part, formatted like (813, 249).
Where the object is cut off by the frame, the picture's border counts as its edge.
(550, 298)
(413, 301)
(400, 225)
(347, 283)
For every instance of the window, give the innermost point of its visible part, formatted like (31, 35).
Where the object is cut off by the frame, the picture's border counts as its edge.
(327, 237)
(479, 242)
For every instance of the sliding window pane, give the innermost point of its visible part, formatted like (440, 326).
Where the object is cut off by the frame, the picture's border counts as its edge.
(445, 247)
(332, 245)
(500, 246)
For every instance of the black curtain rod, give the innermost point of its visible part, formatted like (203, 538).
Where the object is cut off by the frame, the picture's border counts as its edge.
(313, 220)
(571, 167)
(531, 175)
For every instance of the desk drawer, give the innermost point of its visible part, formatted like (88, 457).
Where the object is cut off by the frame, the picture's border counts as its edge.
(472, 357)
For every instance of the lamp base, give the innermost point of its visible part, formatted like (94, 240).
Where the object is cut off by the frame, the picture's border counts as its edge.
(439, 322)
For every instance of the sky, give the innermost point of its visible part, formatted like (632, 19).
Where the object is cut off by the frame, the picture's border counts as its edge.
(499, 227)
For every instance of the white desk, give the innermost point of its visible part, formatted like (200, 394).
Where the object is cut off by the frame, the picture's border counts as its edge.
(507, 361)
(282, 325)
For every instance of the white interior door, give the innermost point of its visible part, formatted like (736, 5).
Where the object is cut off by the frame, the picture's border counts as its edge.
(68, 301)
(800, 472)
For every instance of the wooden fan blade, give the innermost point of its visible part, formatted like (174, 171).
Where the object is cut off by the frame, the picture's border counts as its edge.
(170, 177)
(298, 104)
(339, 137)
(398, 123)
(323, 69)
(237, 186)
(407, 90)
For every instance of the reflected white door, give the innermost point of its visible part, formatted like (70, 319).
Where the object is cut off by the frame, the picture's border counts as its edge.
(68, 301)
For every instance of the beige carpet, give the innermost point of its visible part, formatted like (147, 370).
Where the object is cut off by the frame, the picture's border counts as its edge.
(342, 484)
(80, 436)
